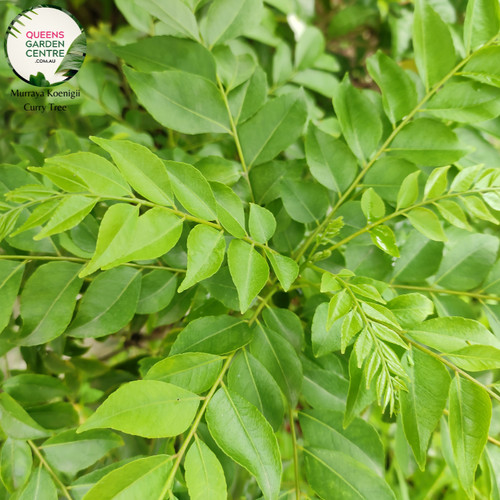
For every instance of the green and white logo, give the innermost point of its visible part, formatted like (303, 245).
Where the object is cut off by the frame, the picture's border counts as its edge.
(45, 45)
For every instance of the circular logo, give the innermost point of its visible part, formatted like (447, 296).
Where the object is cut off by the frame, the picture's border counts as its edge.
(45, 45)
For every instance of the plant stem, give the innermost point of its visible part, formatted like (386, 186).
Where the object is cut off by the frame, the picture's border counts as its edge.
(384, 146)
(50, 471)
(448, 292)
(235, 137)
(295, 455)
(194, 427)
(83, 261)
(403, 211)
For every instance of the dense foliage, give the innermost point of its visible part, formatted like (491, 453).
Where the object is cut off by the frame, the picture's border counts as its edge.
(214, 284)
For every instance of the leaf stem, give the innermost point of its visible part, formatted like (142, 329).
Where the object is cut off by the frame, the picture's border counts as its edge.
(236, 137)
(448, 292)
(83, 261)
(49, 469)
(295, 454)
(398, 213)
(384, 146)
(194, 427)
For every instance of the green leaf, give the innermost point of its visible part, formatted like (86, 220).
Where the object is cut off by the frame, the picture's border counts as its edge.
(287, 324)
(143, 170)
(423, 404)
(273, 128)
(323, 340)
(360, 441)
(425, 221)
(70, 452)
(399, 94)
(318, 81)
(213, 334)
(228, 19)
(332, 474)
(15, 464)
(146, 408)
(436, 183)
(192, 190)
(70, 212)
(204, 473)
(476, 358)
(340, 304)
(411, 308)
(166, 53)
(249, 271)
(206, 249)
(40, 487)
(54, 415)
(351, 325)
(282, 64)
(47, 302)
(33, 388)
(40, 215)
(358, 119)
(304, 201)
(261, 224)
(483, 68)
(244, 434)
(286, 269)
(385, 239)
(193, 371)
(178, 16)
(324, 389)
(309, 48)
(372, 205)
(434, 50)
(248, 377)
(219, 170)
(452, 212)
(157, 290)
(11, 274)
(233, 70)
(452, 333)
(408, 193)
(181, 101)
(420, 258)
(222, 288)
(361, 393)
(463, 181)
(428, 142)
(476, 207)
(101, 176)
(466, 102)
(324, 154)
(482, 23)
(135, 15)
(16, 423)
(470, 415)
(245, 100)
(115, 233)
(156, 232)
(468, 262)
(108, 305)
(142, 478)
(229, 209)
(386, 176)
(280, 360)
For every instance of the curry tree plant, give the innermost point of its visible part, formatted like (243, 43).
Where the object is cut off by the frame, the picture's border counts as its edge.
(256, 294)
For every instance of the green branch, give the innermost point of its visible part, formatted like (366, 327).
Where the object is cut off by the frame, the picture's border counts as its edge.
(295, 455)
(384, 146)
(403, 211)
(429, 289)
(49, 469)
(83, 261)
